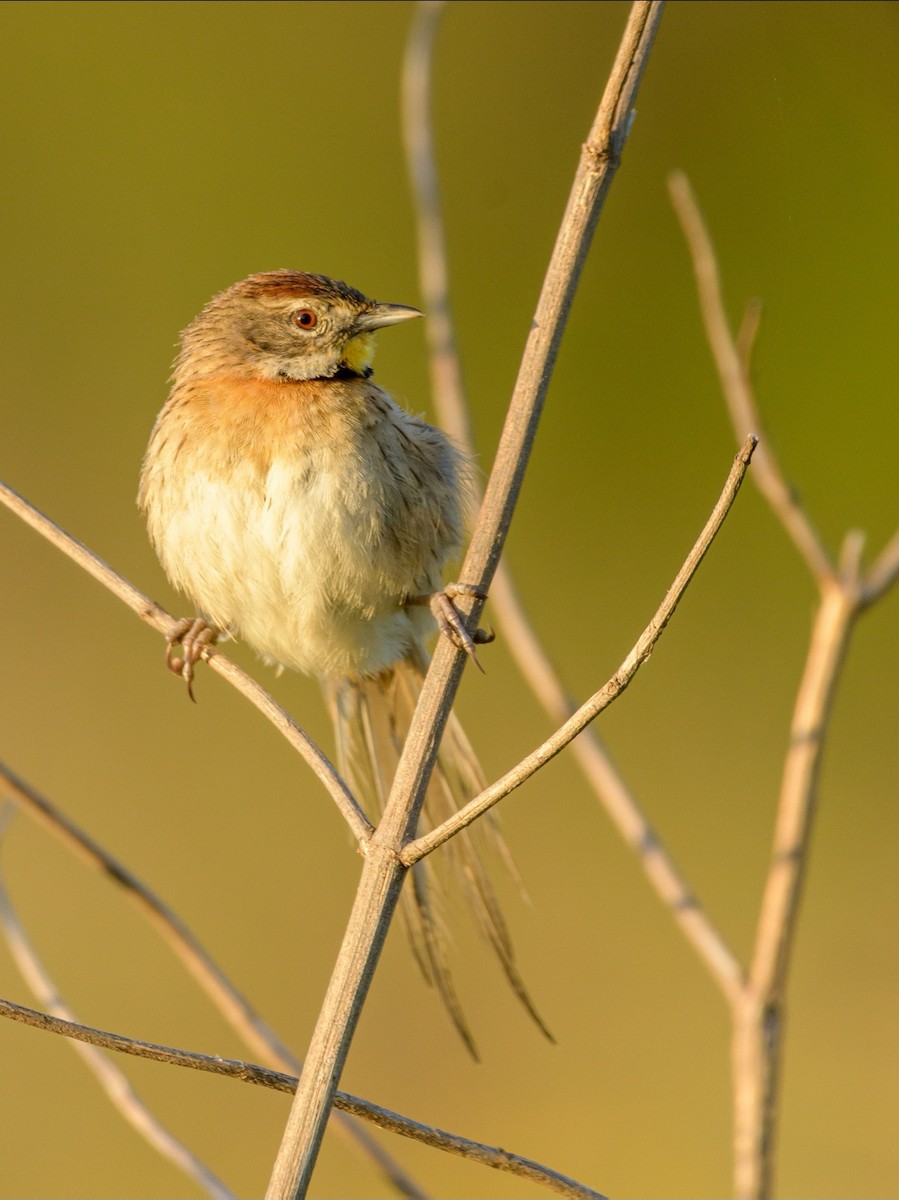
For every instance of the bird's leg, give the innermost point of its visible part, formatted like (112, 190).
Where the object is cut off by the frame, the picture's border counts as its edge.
(193, 636)
(450, 621)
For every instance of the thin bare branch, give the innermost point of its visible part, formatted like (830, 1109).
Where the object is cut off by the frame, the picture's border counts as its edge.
(383, 873)
(233, 1006)
(758, 1017)
(883, 573)
(808, 729)
(748, 333)
(610, 691)
(236, 1009)
(383, 1118)
(613, 793)
(154, 615)
(433, 273)
(111, 1079)
(736, 385)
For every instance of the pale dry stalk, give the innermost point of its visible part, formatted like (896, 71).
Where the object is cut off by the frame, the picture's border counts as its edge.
(758, 1012)
(349, 1106)
(111, 1079)
(383, 872)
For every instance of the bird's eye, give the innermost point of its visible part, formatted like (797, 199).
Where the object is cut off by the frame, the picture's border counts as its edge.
(305, 318)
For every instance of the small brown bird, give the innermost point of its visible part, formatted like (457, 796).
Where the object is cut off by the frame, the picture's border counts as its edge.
(300, 507)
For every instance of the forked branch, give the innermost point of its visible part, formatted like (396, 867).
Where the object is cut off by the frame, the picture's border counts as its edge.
(845, 591)
(608, 693)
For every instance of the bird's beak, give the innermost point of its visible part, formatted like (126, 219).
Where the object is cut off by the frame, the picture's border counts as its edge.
(380, 315)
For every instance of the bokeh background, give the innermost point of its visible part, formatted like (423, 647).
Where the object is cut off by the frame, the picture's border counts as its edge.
(156, 152)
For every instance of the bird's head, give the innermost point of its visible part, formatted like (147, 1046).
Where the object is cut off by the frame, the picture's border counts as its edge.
(288, 325)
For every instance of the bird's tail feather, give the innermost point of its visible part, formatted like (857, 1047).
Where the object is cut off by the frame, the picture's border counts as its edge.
(372, 719)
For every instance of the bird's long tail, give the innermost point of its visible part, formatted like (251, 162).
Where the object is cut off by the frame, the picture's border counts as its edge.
(371, 719)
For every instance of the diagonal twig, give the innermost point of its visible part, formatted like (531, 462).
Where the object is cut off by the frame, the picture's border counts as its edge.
(588, 711)
(229, 1001)
(735, 383)
(156, 616)
(883, 573)
(114, 1083)
(489, 1156)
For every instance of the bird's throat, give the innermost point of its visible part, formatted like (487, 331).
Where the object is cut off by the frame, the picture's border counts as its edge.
(357, 356)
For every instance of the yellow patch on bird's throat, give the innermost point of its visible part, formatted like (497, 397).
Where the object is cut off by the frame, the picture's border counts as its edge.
(359, 352)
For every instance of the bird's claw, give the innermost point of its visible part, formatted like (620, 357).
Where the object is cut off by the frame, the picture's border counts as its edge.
(193, 636)
(451, 622)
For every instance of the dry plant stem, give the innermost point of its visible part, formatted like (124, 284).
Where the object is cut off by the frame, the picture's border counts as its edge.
(759, 1013)
(613, 792)
(382, 874)
(349, 1105)
(736, 385)
(164, 623)
(591, 709)
(231, 1004)
(113, 1082)
(519, 635)
(443, 358)
(234, 1007)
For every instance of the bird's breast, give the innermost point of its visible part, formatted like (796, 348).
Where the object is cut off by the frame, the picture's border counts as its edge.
(291, 526)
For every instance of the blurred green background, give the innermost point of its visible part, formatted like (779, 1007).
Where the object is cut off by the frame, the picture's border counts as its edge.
(156, 152)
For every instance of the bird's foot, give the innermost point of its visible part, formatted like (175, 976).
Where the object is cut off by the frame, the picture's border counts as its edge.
(193, 636)
(452, 624)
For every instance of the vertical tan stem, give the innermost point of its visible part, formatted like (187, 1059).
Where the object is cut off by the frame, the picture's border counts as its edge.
(759, 1012)
(382, 876)
(376, 899)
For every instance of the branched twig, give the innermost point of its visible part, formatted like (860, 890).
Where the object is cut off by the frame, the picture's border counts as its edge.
(116, 1086)
(233, 1006)
(506, 606)
(601, 700)
(758, 1008)
(156, 616)
(883, 573)
(384, 1118)
(382, 874)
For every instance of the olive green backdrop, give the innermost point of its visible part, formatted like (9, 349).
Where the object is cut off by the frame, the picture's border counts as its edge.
(153, 153)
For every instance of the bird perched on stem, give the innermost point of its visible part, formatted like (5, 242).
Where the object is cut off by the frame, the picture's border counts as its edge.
(300, 507)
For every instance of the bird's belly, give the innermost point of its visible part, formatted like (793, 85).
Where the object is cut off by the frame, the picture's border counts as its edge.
(300, 567)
